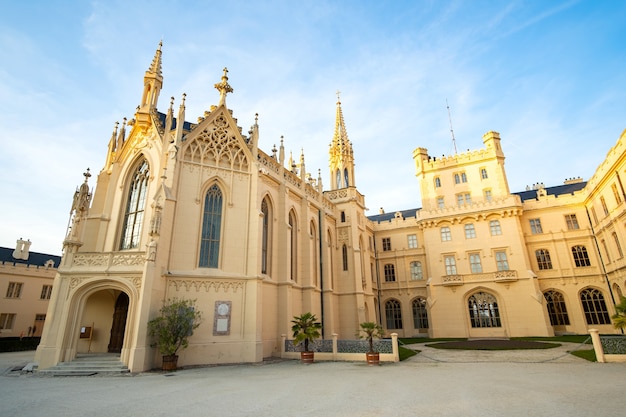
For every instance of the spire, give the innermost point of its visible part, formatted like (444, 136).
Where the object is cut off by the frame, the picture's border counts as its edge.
(111, 151)
(341, 154)
(153, 82)
(224, 88)
(180, 121)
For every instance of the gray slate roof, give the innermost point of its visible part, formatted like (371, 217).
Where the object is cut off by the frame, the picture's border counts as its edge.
(34, 258)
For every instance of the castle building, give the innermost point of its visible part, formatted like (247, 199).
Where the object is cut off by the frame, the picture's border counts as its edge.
(198, 211)
(26, 279)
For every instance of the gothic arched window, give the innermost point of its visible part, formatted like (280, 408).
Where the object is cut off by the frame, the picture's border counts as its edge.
(211, 228)
(557, 311)
(135, 204)
(293, 250)
(265, 237)
(594, 306)
(346, 177)
(393, 314)
(483, 310)
(420, 314)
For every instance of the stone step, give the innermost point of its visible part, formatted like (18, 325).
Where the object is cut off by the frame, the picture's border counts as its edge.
(88, 364)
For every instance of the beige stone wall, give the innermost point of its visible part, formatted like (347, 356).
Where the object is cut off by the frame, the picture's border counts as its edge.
(29, 304)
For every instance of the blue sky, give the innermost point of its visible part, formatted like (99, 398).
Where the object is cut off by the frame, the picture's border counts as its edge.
(548, 75)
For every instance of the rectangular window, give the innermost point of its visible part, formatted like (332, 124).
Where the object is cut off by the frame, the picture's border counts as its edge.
(445, 234)
(501, 262)
(606, 250)
(7, 321)
(535, 226)
(572, 222)
(412, 240)
(14, 290)
(390, 273)
(604, 207)
(40, 317)
(386, 244)
(488, 195)
(416, 270)
(618, 199)
(46, 291)
(450, 265)
(475, 264)
(483, 173)
(440, 203)
(459, 200)
(468, 199)
(494, 227)
(470, 232)
(619, 247)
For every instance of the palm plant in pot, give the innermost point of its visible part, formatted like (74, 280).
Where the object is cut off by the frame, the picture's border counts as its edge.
(305, 329)
(172, 329)
(369, 331)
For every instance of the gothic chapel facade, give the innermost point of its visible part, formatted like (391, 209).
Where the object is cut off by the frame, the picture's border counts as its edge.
(198, 211)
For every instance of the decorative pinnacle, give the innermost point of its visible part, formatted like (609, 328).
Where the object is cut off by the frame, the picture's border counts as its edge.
(87, 174)
(224, 88)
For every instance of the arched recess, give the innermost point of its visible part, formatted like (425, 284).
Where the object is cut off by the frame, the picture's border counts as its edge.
(484, 310)
(213, 217)
(314, 253)
(267, 234)
(329, 259)
(134, 203)
(94, 305)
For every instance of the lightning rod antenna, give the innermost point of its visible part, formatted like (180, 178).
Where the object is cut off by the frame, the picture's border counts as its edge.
(451, 130)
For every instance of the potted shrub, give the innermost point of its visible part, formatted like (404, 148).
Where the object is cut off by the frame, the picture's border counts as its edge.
(305, 329)
(172, 329)
(368, 331)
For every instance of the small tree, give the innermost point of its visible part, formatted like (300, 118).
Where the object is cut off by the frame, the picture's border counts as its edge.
(305, 328)
(619, 318)
(172, 329)
(370, 330)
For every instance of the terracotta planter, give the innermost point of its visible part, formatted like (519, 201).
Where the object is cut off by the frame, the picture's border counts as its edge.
(170, 362)
(307, 357)
(372, 358)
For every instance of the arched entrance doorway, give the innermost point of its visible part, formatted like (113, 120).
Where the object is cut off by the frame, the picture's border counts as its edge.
(118, 325)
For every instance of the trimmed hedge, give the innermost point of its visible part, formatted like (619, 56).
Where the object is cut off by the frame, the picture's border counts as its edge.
(15, 344)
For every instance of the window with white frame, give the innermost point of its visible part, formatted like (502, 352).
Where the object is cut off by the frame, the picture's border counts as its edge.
(572, 222)
(483, 310)
(470, 231)
(483, 173)
(488, 196)
(475, 264)
(416, 270)
(386, 244)
(450, 262)
(457, 179)
(440, 203)
(446, 235)
(494, 227)
(502, 263)
(463, 177)
(535, 226)
(437, 182)
(412, 241)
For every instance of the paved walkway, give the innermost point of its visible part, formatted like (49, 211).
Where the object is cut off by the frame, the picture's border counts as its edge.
(432, 383)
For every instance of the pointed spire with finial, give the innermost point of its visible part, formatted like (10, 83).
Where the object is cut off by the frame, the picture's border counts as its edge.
(224, 88)
(153, 82)
(341, 154)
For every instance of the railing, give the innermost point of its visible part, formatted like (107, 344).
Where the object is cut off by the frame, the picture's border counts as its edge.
(343, 350)
(608, 348)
